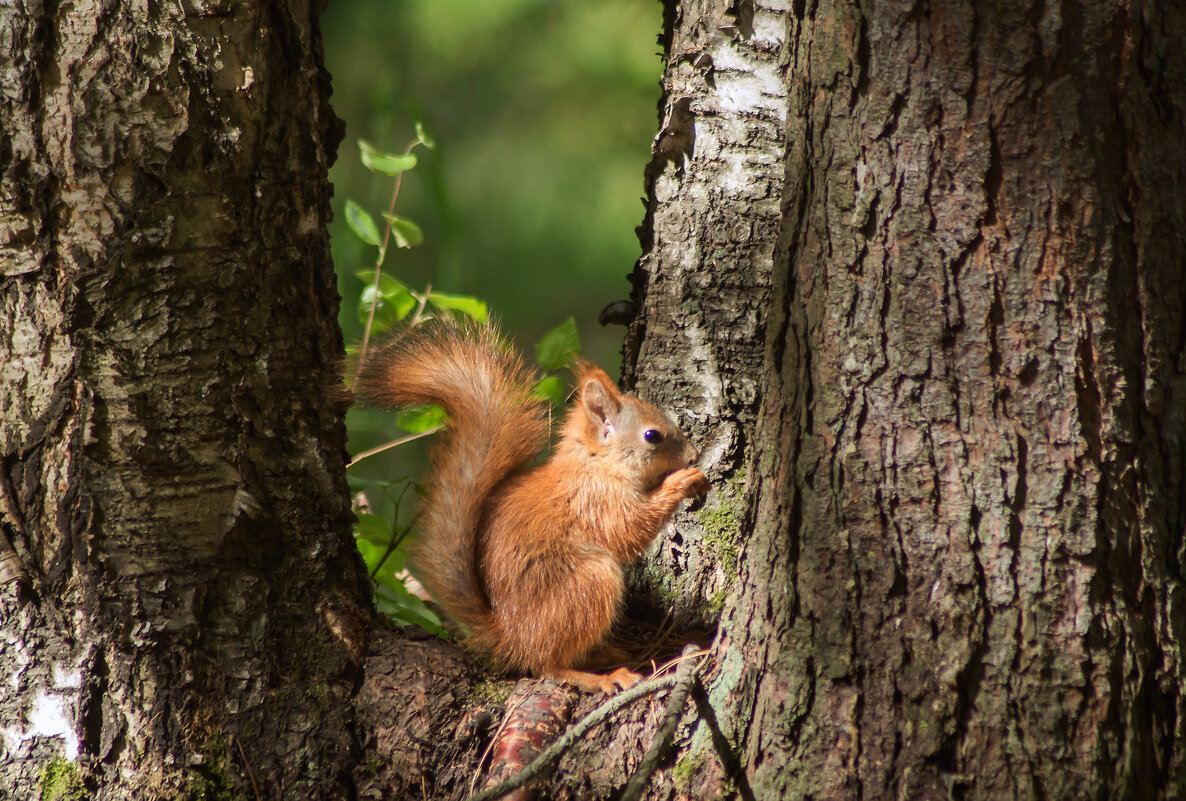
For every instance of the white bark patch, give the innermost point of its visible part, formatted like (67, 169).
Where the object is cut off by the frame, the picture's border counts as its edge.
(707, 402)
(770, 25)
(69, 679)
(744, 94)
(49, 717)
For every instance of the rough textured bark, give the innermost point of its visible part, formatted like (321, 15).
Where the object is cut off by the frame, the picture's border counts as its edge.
(702, 286)
(427, 716)
(965, 575)
(912, 275)
(187, 614)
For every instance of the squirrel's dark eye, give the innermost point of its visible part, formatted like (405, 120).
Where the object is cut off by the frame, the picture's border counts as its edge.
(652, 436)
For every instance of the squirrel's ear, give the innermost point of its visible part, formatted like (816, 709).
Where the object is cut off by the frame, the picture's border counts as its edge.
(599, 399)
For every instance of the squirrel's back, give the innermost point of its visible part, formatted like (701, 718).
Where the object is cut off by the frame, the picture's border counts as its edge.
(496, 426)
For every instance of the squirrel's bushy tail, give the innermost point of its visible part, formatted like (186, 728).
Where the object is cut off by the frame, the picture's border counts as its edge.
(495, 427)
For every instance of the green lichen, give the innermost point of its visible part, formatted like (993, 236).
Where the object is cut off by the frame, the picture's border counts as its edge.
(491, 692)
(722, 528)
(727, 556)
(61, 781)
(685, 769)
(210, 781)
(374, 766)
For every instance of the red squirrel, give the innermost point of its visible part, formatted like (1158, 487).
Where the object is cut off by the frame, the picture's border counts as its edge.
(529, 559)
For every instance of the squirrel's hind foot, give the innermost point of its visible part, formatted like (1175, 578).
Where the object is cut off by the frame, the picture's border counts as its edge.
(608, 683)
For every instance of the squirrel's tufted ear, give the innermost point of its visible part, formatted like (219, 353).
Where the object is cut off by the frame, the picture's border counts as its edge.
(599, 399)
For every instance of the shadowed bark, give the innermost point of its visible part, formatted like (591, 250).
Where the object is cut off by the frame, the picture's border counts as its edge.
(184, 609)
(911, 279)
(964, 571)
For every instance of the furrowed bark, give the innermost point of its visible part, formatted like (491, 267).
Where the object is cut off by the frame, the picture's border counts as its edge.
(702, 286)
(964, 574)
(194, 613)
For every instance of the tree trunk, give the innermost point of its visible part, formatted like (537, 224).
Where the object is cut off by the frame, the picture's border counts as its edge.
(182, 608)
(964, 575)
(911, 280)
(702, 287)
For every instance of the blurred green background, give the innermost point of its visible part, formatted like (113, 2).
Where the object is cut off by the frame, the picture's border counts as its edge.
(543, 113)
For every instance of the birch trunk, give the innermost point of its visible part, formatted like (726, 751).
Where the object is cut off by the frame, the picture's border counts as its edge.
(961, 568)
(181, 608)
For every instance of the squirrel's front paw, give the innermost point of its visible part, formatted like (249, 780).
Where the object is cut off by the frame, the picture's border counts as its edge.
(623, 678)
(687, 483)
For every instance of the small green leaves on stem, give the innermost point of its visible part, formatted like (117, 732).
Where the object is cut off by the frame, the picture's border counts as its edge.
(552, 388)
(407, 233)
(383, 163)
(556, 350)
(383, 547)
(385, 302)
(362, 224)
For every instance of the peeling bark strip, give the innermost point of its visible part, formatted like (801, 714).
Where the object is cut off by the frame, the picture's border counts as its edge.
(537, 713)
(176, 499)
(702, 287)
(966, 575)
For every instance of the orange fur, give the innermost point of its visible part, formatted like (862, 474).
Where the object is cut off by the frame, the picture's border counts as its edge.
(530, 560)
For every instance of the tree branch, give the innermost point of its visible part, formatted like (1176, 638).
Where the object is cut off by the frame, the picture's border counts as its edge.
(685, 678)
(553, 752)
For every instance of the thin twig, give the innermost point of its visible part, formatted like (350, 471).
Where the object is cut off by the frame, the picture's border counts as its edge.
(392, 544)
(399, 179)
(247, 765)
(501, 726)
(678, 660)
(553, 752)
(421, 301)
(685, 678)
(656, 642)
(396, 539)
(393, 444)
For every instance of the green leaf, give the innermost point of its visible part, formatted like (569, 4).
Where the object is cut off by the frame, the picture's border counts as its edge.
(463, 303)
(378, 161)
(405, 609)
(358, 484)
(407, 233)
(390, 575)
(420, 418)
(389, 287)
(552, 389)
(392, 566)
(392, 589)
(391, 307)
(362, 223)
(371, 553)
(559, 346)
(423, 138)
(373, 529)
